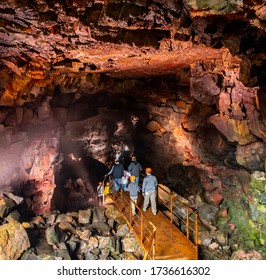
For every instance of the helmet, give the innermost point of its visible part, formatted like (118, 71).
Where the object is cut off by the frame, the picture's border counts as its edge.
(133, 178)
(148, 170)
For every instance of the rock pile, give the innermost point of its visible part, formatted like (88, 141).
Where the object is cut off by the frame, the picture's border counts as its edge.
(90, 234)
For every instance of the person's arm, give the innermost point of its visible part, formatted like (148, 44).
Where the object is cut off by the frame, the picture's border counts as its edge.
(143, 186)
(111, 171)
(130, 168)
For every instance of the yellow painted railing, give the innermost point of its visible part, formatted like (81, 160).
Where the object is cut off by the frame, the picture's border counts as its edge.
(184, 214)
(143, 229)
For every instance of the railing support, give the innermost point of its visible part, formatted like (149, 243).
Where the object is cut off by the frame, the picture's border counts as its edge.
(196, 233)
(141, 228)
(171, 207)
(187, 223)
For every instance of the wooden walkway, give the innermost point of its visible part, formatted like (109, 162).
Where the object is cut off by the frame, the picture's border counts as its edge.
(169, 243)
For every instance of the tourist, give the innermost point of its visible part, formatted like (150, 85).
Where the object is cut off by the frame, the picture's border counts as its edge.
(100, 191)
(124, 180)
(133, 189)
(117, 172)
(134, 168)
(149, 191)
(107, 189)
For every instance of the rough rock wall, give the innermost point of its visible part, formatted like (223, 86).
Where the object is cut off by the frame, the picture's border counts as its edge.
(61, 61)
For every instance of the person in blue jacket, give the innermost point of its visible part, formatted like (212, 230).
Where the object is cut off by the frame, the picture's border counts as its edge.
(149, 191)
(133, 189)
(134, 168)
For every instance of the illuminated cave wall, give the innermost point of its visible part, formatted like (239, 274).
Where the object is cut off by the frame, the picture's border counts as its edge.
(185, 78)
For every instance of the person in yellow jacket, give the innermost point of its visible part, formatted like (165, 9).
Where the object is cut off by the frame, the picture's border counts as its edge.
(107, 189)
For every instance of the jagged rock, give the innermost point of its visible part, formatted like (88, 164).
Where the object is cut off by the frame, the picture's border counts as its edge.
(84, 216)
(112, 213)
(38, 221)
(91, 256)
(85, 235)
(246, 255)
(17, 199)
(13, 241)
(106, 242)
(93, 241)
(122, 230)
(51, 219)
(27, 225)
(102, 228)
(207, 214)
(204, 8)
(52, 235)
(261, 13)
(104, 254)
(72, 246)
(6, 205)
(204, 238)
(62, 251)
(213, 197)
(98, 215)
(130, 244)
(65, 226)
(195, 116)
(129, 256)
(154, 126)
(61, 218)
(213, 246)
(13, 216)
(234, 130)
(205, 88)
(45, 251)
(251, 156)
(220, 236)
(29, 255)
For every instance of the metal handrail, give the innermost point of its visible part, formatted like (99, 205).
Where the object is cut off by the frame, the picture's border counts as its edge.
(145, 231)
(187, 221)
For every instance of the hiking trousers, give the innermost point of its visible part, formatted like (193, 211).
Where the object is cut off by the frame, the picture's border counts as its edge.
(150, 197)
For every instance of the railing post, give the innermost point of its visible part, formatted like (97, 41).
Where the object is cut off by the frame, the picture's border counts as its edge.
(196, 233)
(171, 207)
(141, 227)
(130, 212)
(153, 245)
(187, 222)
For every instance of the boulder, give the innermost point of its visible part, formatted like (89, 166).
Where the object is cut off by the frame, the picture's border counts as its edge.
(14, 241)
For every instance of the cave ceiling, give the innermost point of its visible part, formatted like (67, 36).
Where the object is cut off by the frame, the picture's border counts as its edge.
(43, 40)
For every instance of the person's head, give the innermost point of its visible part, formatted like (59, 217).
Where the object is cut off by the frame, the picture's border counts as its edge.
(116, 160)
(134, 158)
(100, 183)
(148, 170)
(107, 183)
(132, 178)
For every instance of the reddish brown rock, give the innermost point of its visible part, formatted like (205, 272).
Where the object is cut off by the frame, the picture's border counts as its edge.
(204, 88)
(196, 116)
(234, 130)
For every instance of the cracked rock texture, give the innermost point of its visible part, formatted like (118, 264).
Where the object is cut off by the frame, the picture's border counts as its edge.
(183, 81)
